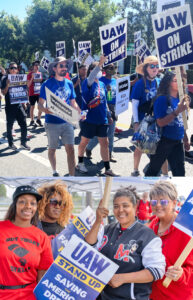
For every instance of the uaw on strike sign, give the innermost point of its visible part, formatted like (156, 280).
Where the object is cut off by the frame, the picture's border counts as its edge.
(173, 36)
(113, 39)
(184, 220)
(18, 88)
(78, 272)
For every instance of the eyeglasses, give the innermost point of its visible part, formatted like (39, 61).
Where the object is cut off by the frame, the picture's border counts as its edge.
(13, 68)
(63, 66)
(36, 65)
(55, 202)
(152, 66)
(163, 202)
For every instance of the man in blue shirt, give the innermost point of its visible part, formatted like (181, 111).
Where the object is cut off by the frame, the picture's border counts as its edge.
(56, 127)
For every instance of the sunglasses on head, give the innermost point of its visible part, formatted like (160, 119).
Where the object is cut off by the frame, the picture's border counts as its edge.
(55, 202)
(13, 68)
(163, 202)
(152, 66)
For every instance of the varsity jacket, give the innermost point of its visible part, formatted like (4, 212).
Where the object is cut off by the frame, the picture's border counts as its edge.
(133, 249)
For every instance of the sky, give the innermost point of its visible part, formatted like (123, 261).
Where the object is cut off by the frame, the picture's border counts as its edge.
(15, 7)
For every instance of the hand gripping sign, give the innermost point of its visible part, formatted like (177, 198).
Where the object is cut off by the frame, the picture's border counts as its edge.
(184, 222)
(113, 39)
(61, 109)
(18, 88)
(79, 226)
(78, 272)
(174, 41)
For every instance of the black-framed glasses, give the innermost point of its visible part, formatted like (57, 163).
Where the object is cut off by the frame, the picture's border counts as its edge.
(152, 66)
(13, 68)
(54, 202)
(163, 202)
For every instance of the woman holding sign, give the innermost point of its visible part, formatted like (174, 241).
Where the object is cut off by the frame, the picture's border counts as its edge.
(167, 112)
(131, 245)
(163, 198)
(25, 250)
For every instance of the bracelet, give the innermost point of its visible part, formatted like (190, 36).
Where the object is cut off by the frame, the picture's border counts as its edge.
(174, 113)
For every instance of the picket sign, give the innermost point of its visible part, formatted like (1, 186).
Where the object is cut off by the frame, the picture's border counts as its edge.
(181, 94)
(107, 191)
(180, 260)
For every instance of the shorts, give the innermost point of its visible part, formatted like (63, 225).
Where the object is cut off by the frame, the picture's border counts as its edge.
(89, 130)
(33, 99)
(54, 132)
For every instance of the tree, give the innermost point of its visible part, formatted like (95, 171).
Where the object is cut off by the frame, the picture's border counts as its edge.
(3, 191)
(138, 13)
(51, 21)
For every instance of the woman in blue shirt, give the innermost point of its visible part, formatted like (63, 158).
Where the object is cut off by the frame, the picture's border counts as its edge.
(167, 112)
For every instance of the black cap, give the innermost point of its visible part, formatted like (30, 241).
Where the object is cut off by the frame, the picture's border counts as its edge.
(26, 189)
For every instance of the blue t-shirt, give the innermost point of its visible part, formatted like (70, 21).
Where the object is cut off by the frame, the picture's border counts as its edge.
(77, 91)
(97, 115)
(139, 92)
(111, 89)
(63, 89)
(163, 107)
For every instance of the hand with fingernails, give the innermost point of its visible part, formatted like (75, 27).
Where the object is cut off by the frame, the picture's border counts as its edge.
(101, 212)
(174, 272)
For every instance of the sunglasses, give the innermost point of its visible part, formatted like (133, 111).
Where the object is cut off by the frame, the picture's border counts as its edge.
(163, 202)
(13, 68)
(55, 202)
(63, 66)
(36, 65)
(152, 66)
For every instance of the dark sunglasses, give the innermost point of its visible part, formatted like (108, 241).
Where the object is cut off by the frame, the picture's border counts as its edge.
(163, 202)
(152, 66)
(37, 65)
(13, 68)
(55, 202)
(63, 66)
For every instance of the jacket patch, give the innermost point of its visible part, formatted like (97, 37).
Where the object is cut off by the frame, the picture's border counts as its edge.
(124, 251)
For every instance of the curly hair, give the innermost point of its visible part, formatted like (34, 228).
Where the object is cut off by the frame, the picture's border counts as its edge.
(49, 189)
(129, 192)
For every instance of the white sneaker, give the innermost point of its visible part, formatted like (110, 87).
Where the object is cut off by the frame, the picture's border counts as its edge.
(81, 168)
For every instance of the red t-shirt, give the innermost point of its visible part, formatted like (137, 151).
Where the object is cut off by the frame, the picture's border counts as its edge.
(173, 243)
(144, 210)
(34, 88)
(23, 252)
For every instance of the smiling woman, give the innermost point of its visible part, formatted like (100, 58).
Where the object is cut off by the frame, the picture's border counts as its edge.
(25, 250)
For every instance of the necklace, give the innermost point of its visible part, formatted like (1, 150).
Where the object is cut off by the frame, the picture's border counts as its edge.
(160, 233)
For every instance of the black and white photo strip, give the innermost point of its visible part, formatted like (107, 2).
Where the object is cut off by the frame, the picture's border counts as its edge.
(92, 237)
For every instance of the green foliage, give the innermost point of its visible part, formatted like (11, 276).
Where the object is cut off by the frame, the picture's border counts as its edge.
(190, 76)
(3, 191)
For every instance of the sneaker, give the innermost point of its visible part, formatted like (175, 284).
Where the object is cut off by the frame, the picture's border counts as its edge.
(25, 146)
(109, 173)
(88, 153)
(12, 147)
(188, 155)
(39, 122)
(56, 174)
(32, 123)
(13, 132)
(135, 173)
(81, 168)
(112, 159)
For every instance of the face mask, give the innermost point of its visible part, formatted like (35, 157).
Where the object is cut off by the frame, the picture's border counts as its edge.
(99, 75)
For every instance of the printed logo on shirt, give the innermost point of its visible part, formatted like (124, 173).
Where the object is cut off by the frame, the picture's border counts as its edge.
(62, 93)
(124, 251)
(151, 93)
(102, 94)
(104, 242)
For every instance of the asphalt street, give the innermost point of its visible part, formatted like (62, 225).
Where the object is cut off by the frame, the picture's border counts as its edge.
(35, 163)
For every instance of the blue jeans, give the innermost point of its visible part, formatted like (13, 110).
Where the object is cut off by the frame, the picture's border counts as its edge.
(94, 141)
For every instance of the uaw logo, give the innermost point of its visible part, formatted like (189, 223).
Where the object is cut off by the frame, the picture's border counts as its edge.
(125, 250)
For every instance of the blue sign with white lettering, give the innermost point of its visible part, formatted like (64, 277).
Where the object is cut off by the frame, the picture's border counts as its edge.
(184, 220)
(86, 45)
(174, 38)
(113, 39)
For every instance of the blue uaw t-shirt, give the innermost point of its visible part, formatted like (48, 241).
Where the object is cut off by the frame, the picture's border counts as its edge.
(175, 129)
(96, 115)
(63, 89)
(111, 89)
(144, 94)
